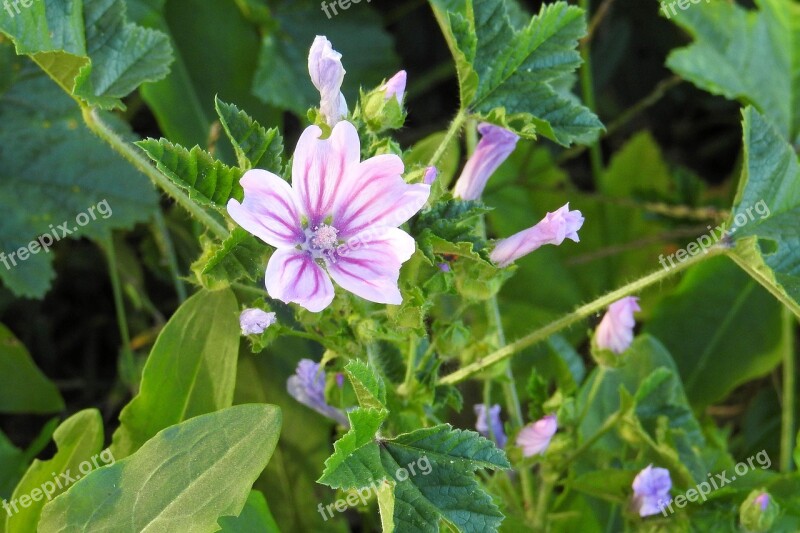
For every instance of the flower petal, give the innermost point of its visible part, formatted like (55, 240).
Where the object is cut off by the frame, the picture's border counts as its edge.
(368, 265)
(320, 166)
(269, 210)
(293, 276)
(378, 195)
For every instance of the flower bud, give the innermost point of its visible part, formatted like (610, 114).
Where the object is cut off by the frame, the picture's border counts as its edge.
(255, 321)
(382, 108)
(495, 146)
(327, 74)
(758, 512)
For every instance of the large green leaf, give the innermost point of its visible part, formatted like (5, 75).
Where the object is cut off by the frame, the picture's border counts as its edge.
(255, 516)
(52, 170)
(418, 496)
(24, 388)
(282, 77)
(14, 462)
(764, 221)
(743, 343)
(89, 48)
(508, 75)
(750, 56)
(79, 440)
(183, 479)
(191, 370)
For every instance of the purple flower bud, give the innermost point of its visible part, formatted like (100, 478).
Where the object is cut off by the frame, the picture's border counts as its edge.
(255, 321)
(490, 420)
(444, 267)
(552, 229)
(535, 438)
(327, 74)
(307, 386)
(396, 86)
(430, 175)
(339, 380)
(615, 331)
(651, 490)
(495, 146)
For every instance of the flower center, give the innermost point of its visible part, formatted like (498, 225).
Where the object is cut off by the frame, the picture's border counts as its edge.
(324, 237)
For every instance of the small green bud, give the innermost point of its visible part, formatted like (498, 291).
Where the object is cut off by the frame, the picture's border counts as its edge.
(758, 512)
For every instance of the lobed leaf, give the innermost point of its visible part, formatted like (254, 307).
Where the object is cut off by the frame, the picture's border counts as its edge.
(255, 146)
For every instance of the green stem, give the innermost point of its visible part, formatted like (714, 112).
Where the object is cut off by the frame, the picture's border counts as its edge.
(576, 316)
(598, 380)
(789, 375)
(545, 491)
(607, 426)
(119, 304)
(126, 150)
(168, 249)
(587, 87)
(455, 127)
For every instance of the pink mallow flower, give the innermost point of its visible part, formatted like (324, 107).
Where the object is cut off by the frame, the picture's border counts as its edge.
(615, 331)
(307, 386)
(535, 438)
(552, 229)
(651, 490)
(340, 216)
(327, 74)
(495, 146)
(489, 424)
(396, 86)
(255, 321)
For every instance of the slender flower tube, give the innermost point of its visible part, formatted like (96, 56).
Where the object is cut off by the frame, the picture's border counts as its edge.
(552, 229)
(327, 75)
(255, 321)
(615, 331)
(307, 386)
(489, 424)
(651, 490)
(339, 219)
(396, 86)
(535, 438)
(495, 146)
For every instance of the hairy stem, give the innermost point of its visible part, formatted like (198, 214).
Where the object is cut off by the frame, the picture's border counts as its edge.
(455, 127)
(576, 316)
(789, 375)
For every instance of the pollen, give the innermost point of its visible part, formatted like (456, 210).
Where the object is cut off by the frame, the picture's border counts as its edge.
(325, 237)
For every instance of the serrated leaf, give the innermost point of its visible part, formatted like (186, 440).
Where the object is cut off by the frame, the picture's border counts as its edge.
(764, 220)
(239, 256)
(89, 48)
(191, 370)
(185, 478)
(255, 146)
(429, 473)
(735, 50)
(369, 387)
(207, 180)
(79, 439)
(52, 169)
(25, 388)
(510, 76)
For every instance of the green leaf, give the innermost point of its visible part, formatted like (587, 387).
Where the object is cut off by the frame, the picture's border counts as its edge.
(255, 516)
(45, 129)
(714, 361)
(369, 387)
(239, 256)
(89, 48)
(207, 180)
(185, 478)
(14, 462)
(735, 50)
(24, 388)
(255, 147)
(766, 211)
(421, 153)
(429, 471)
(191, 370)
(79, 440)
(508, 76)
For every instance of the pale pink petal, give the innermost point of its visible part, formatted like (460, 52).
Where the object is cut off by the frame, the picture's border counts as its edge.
(293, 276)
(495, 146)
(615, 331)
(269, 210)
(378, 195)
(396, 86)
(327, 74)
(368, 264)
(320, 167)
(552, 229)
(535, 438)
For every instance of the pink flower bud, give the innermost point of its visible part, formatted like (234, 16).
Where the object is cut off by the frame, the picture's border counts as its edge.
(327, 74)
(396, 86)
(495, 146)
(255, 321)
(430, 175)
(535, 438)
(615, 331)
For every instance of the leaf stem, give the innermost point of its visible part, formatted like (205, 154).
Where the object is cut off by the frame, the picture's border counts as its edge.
(789, 376)
(119, 304)
(95, 123)
(455, 127)
(168, 249)
(579, 314)
(587, 87)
